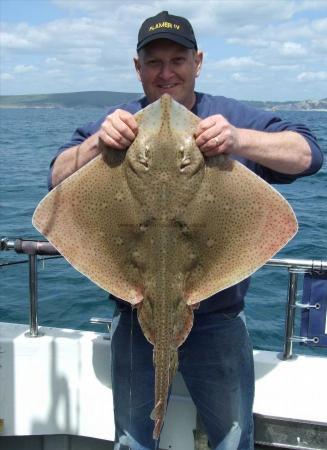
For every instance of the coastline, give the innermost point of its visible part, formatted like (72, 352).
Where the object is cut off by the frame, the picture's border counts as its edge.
(103, 99)
(273, 109)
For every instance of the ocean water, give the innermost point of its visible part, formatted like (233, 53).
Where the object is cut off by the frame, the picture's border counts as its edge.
(28, 140)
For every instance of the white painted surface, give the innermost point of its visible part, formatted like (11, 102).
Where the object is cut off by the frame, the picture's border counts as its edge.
(55, 384)
(60, 384)
(293, 389)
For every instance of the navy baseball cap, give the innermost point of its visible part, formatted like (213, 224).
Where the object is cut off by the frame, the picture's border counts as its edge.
(167, 26)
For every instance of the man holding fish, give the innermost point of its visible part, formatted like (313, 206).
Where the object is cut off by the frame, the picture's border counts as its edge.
(216, 358)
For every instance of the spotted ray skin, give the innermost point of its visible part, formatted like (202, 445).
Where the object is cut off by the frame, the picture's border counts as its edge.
(163, 228)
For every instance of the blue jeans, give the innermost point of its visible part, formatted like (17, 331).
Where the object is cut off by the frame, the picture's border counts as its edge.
(216, 362)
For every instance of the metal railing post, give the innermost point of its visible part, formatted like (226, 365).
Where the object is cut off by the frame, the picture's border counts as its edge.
(33, 294)
(290, 313)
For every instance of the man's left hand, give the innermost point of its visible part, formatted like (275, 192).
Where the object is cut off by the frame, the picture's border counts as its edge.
(216, 135)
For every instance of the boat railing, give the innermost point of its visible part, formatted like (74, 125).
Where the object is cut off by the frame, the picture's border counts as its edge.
(295, 267)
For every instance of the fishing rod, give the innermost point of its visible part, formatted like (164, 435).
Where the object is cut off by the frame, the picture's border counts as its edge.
(25, 261)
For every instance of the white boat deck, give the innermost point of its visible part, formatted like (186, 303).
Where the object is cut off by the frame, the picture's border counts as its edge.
(59, 384)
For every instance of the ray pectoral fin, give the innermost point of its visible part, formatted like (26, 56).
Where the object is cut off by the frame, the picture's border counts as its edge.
(239, 223)
(91, 219)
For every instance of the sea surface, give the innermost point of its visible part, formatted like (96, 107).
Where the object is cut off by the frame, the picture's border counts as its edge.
(29, 139)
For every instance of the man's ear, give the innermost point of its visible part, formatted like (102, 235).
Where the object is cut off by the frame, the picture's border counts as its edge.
(137, 68)
(198, 61)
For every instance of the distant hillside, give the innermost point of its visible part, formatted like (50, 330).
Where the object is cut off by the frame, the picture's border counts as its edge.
(102, 99)
(99, 99)
(306, 105)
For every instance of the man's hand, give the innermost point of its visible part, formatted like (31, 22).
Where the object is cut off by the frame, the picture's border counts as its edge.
(119, 130)
(216, 135)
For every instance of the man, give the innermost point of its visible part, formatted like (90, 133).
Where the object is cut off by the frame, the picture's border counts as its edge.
(216, 360)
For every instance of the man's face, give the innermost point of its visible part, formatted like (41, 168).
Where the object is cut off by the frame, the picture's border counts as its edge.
(164, 66)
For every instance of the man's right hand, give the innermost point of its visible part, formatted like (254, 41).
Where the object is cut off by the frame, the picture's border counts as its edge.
(118, 130)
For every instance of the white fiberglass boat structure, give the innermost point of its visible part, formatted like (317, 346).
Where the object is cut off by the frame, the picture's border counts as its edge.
(55, 388)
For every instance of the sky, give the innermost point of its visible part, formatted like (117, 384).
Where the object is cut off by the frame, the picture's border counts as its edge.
(253, 49)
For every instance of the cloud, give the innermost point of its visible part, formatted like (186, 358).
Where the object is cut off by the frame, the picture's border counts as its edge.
(256, 42)
(93, 45)
(77, 45)
(241, 78)
(284, 67)
(233, 62)
(22, 68)
(292, 49)
(319, 45)
(6, 76)
(13, 40)
(211, 17)
(312, 76)
(320, 25)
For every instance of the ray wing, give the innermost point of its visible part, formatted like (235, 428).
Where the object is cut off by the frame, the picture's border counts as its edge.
(91, 219)
(238, 222)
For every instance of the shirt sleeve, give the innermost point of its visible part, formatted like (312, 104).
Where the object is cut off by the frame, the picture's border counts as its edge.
(244, 116)
(79, 136)
(276, 124)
